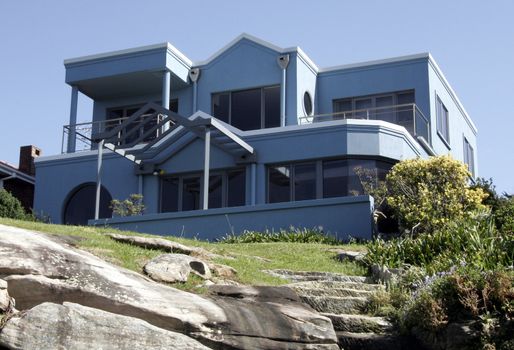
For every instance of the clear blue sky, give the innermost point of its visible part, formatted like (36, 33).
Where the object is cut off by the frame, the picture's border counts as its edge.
(473, 42)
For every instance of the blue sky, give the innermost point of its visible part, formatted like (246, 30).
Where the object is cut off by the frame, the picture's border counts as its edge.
(472, 41)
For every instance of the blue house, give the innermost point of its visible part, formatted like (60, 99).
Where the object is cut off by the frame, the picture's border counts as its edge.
(256, 137)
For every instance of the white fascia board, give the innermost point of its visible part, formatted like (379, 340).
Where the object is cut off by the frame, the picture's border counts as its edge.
(452, 93)
(376, 62)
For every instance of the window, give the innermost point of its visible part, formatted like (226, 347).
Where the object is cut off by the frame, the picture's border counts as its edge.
(375, 107)
(248, 109)
(183, 192)
(323, 179)
(469, 157)
(80, 206)
(307, 103)
(116, 115)
(442, 120)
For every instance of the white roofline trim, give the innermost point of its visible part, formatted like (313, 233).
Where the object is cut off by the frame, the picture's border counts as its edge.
(452, 93)
(17, 174)
(115, 53)
(375, 62)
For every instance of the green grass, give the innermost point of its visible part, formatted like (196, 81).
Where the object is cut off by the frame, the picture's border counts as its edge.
(249, 259)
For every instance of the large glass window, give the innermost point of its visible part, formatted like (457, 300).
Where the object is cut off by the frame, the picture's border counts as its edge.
(236, 188)
(279, 184)
(442, 120)
(183, 192)
(304, 181)
(337, 178)
(248, 109)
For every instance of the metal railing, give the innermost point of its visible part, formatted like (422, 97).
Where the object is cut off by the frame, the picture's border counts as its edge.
(84, 132)
(407, 115)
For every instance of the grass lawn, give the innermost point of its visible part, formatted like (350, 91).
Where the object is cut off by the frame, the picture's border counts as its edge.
(247, 257)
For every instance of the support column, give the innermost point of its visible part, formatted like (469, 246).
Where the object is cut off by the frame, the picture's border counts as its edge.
(99, 179)
(140, 184)
(206, 166)
(194, 74)
(166, 80)
(73, 119)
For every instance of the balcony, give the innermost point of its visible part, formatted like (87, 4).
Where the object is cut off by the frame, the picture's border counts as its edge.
(82, 133)
(407, 115)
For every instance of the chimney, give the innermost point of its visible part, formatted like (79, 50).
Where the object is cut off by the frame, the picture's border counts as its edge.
(27, 156)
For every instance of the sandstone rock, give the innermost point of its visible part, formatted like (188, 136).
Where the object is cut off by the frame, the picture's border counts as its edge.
(72, 326)
(327, 285)
(42, 269)
(359, 323)
(175, 268)
(349, 255)
(335, 305)
(372, 341)
(385, 275)
(223, 271)
(162, 244)
(6, 302)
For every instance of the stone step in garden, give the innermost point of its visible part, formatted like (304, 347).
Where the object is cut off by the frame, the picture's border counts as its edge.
(358, 323)
(300, 276)
(337, 285)
(331, 292)
(335, 305)
(371, 341)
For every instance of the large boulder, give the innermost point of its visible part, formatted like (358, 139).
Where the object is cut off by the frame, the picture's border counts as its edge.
(39, 268)
(72, 326)
(176, 268)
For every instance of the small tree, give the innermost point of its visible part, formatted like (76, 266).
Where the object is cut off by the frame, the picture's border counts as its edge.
(128, 207)
(10, 206)
(427, 194)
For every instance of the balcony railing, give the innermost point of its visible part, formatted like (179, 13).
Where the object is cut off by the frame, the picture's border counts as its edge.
(406, 115)
(83, 132)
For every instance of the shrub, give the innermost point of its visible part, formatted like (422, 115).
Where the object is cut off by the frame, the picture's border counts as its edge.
(504, 215)
(428, 194)
(128, 207)
(474, 241)
(293, 235)
(10, 206)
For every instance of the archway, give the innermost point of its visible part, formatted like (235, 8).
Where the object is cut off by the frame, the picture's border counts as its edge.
(80, 205)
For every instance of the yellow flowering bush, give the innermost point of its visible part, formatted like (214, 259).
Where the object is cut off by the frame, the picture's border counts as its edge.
(426, 194)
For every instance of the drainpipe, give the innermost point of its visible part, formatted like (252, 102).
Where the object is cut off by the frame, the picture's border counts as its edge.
(283, 62)
(194, 74)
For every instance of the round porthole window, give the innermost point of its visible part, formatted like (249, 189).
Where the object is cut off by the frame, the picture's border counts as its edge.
(307, 103)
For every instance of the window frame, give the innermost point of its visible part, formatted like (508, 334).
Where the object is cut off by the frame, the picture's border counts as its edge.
(373, 97)
(444, 134)
(262, 102)
(469, 156)
(181, 176)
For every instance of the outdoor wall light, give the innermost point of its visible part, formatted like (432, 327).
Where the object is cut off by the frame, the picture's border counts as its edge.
(158, 172)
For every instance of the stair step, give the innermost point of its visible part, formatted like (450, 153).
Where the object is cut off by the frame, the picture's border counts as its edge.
(300, 276)
(335, 305)
(337, 285)
(358, 323)
(369, 341)
(331, 292)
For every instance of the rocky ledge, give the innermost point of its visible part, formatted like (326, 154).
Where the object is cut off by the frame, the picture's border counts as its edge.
(71, 299)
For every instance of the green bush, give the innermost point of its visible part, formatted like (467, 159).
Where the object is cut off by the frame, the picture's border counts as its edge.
(128, 207)
(10, 207)
(504, 215)
(293, 235)
(474, 241)
(427, 194)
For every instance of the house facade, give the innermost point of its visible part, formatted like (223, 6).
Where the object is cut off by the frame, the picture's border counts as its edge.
(256, 137)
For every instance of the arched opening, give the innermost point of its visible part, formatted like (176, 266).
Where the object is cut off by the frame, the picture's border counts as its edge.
(80, 206)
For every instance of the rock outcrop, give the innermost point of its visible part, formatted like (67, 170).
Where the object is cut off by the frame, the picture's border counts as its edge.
(176, 268)
(49, 326)
(39, 268)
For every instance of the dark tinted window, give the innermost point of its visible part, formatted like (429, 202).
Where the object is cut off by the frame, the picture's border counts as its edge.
(279, 184)
(307, 103)
(215, 191)
(304, 181)
(246, 109)
(191, 193)
(221, 106)
(335, 174)
(81, 205)
(272, 107)
(236, 188)
(169, 194)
